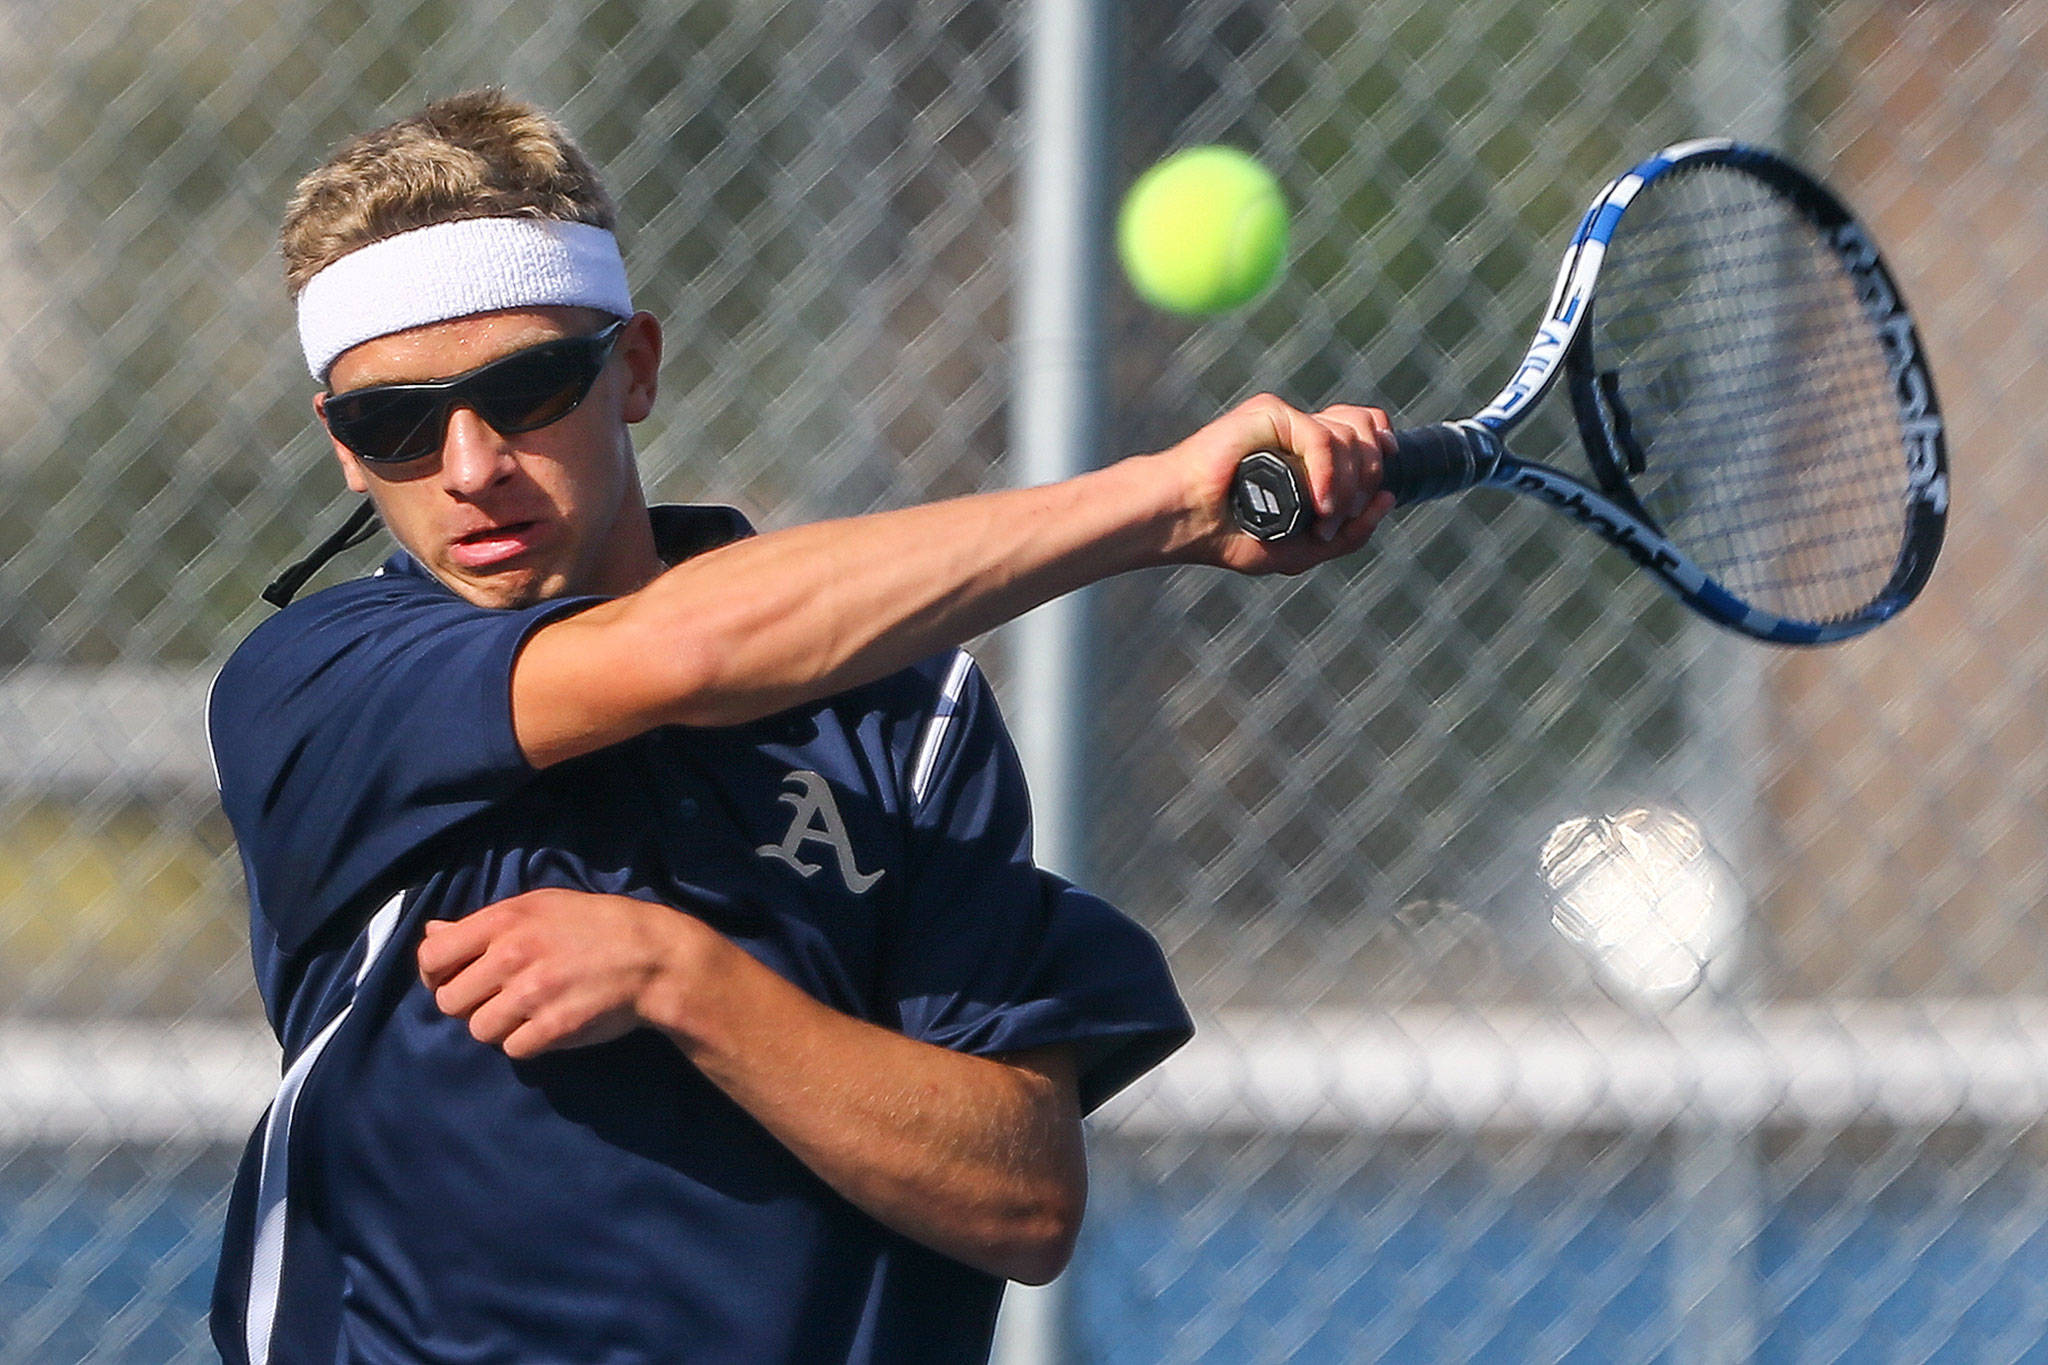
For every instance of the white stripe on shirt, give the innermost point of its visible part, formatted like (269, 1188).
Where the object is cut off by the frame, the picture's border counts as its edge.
(266, 1261)
(933, 739)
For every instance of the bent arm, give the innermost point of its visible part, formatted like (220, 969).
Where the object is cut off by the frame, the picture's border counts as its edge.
(978, 1158)
(767, 623)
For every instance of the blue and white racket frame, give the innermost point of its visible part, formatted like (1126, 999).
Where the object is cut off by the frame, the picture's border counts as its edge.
(1269, 501)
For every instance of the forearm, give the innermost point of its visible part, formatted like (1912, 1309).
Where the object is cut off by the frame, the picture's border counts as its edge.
(768, 623)
(780, 619)
(772, 621)
(977, 1158)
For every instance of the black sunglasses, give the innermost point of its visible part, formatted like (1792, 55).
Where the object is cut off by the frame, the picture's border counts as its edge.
(520, 392)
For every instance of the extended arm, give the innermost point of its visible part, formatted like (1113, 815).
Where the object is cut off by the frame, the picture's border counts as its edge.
(767, 623)
(978, 1158)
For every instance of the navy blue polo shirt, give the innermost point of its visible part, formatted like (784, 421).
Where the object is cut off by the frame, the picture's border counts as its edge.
(416, 1196)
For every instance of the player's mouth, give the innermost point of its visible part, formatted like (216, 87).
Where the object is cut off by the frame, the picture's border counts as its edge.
(494, 545)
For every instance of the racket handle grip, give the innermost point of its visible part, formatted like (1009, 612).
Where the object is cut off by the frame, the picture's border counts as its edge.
(1270, 501)
(1434, 461)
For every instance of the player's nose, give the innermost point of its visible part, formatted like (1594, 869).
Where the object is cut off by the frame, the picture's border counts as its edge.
(473, 455)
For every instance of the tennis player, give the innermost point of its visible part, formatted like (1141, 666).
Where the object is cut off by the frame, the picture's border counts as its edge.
(646, 906)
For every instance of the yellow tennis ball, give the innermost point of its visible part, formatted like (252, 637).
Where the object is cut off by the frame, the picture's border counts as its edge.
(1203, 231)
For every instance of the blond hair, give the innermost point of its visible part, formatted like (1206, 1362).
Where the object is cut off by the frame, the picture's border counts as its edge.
(480, 154)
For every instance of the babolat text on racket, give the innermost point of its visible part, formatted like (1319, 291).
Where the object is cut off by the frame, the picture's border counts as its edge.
(1753, 399)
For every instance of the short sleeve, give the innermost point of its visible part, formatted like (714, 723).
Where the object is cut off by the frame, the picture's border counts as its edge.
(356, 726)
(992, 954)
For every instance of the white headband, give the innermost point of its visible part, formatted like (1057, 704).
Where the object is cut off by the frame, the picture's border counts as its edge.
(450, 270)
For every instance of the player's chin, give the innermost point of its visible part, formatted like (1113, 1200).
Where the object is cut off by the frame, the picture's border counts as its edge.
(507, 589)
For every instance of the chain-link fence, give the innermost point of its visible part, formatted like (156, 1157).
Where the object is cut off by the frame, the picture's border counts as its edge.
(1789, 1107)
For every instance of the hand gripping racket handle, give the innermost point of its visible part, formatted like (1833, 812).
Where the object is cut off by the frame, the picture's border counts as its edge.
(1270, 501)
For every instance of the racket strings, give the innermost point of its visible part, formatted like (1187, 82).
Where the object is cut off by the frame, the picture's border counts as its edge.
(1745, 421)
(1733, 506)
(1758, 393)
(1767, 526)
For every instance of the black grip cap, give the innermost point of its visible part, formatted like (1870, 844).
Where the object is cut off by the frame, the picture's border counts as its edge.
(1267, 498)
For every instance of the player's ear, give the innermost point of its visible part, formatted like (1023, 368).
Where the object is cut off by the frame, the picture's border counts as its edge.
(351, 467)
(641, 349)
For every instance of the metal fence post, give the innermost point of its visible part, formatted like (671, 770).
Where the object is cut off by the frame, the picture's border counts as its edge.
(1740, 89)
(1057, 424)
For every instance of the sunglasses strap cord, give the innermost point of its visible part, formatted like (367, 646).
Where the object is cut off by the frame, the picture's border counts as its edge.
(360, 526)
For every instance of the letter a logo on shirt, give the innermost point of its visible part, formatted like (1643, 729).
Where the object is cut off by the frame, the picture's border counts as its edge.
(816, 821)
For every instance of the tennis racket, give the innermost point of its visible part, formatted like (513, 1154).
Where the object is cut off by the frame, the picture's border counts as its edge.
(1753, 400)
